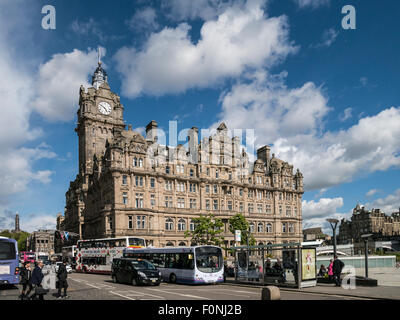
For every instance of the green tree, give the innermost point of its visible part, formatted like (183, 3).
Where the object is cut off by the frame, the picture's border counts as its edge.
(19, 236)
(207, 230)
(239, 222)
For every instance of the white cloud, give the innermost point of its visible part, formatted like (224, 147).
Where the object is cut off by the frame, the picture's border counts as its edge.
(292, 120)
(17, 172)
(144, 20)
(311, 3)
(37, 222)
(241, 38)
(7, 219)
(17, 90)
(328, 37)
(315, 213)
(388, 205)
(181, 10)
(88, 29)
(346, 114)
(322, 208)
(371, 192)
(58, 83)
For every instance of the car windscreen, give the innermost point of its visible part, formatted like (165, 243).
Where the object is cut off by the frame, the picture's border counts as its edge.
(142, 265)
(7, 250)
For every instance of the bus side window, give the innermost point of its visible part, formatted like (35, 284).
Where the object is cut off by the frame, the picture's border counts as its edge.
(159, 258)
(168, 260)
(187, 263)
(179, 257)
(122, 243)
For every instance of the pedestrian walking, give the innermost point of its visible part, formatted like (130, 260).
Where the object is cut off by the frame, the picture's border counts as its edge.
(36, 281)
(330, 270)
(62, 275)
(25, 278)
(337, 270)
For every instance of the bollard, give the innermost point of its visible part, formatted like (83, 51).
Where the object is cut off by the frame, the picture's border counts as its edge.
(271, 293)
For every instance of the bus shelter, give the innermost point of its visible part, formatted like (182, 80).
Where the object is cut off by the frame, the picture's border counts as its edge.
(286, 264)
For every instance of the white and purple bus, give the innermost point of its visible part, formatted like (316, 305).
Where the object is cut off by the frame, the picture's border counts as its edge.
(9, 261)
(188, 265)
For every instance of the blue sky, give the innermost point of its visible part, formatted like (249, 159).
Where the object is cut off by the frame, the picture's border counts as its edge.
(326, 99)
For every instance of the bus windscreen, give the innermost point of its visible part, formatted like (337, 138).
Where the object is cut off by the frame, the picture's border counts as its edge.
(209, 259)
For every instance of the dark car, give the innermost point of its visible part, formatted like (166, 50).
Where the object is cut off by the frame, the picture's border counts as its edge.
(135, 271)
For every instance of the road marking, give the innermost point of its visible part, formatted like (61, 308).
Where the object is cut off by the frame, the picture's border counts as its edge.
(249, 292)
(122, 295)
(180, 294)
(138, 295)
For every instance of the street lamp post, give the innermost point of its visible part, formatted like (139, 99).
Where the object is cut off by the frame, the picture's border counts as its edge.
(248, 249)
(365, 237)
(333, 223)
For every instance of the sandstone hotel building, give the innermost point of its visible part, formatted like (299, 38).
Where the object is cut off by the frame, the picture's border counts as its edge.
(129, 184)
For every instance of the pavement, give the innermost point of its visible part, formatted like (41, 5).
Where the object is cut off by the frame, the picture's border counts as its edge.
(385, 276)
(388, 286)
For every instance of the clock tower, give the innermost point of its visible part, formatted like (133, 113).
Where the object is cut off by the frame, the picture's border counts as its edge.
(100, 115)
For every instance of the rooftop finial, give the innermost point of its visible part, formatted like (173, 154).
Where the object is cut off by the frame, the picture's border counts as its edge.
(99, 55)
(100, 75)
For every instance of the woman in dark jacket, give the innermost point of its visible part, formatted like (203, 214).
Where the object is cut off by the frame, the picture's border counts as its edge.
(25, 277)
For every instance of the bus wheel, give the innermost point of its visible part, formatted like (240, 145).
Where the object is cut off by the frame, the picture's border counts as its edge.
(172, 278)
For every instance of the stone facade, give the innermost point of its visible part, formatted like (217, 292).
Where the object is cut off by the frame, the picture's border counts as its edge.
(374, 222)
(41, 241)
(129, 184)
(312, 234)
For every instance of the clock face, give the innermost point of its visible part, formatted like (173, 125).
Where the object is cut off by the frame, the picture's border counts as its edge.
(104, 108)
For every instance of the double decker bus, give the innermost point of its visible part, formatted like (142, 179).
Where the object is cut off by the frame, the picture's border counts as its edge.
(27, 256)
(96, 256)
(9, 261)
(189, 265)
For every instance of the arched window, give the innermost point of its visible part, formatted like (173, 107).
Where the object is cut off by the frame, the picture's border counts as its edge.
(251, 227)
(260, 250)
(284, 227)
(182, 244)
(169, 244)
(140, 162)
(181, 225)
(135, 162)
(191, 172)
(260, 227)
(269, 228)
(169, 224)
(191, 225)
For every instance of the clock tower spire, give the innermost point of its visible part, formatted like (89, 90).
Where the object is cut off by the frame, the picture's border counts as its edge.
(100, 75)
(100, 114)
